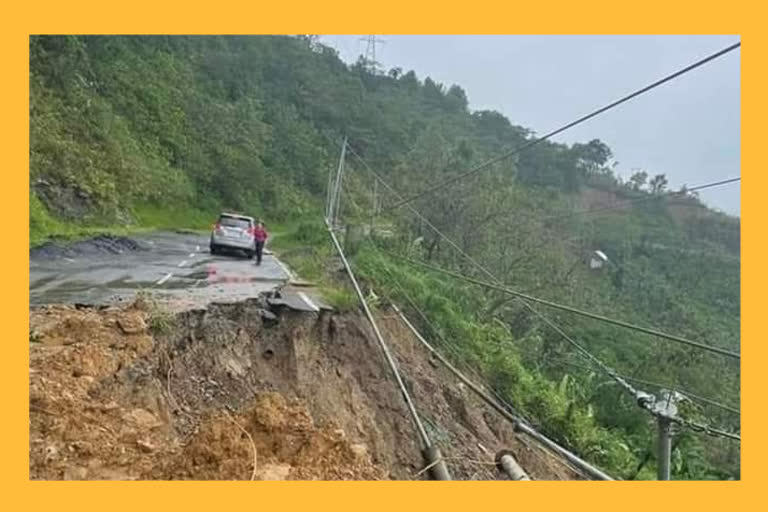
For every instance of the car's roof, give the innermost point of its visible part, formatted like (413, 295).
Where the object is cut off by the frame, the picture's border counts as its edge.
(235, 215)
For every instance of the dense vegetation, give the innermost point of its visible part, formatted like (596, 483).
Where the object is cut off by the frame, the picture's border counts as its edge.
(164, 131)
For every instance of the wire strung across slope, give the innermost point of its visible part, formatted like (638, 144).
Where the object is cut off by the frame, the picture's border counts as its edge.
(578, 464)
(445, 342)
(625, 203)
(656, 385)
(643, 399)
(551, 134)
(430, 452)
(570, 309)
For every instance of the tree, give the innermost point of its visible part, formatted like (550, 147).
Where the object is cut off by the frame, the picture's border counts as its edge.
(593, 157)
(638, 180)
(658, 184)
(457, 99)
(410, 81)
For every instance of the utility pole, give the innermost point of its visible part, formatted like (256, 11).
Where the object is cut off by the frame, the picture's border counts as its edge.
(665, 410)
(374, 201)
(665, 447)
(370, 51)
(334, 196)
(505, 461)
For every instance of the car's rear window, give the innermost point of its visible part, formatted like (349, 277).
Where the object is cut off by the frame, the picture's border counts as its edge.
(234, 222)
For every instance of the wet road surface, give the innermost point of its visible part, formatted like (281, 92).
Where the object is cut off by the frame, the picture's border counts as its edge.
(178, 267)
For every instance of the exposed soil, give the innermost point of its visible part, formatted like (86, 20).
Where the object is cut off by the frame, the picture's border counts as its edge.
(101, 244)
(303, 395)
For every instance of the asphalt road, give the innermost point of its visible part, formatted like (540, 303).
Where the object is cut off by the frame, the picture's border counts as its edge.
(175, 266)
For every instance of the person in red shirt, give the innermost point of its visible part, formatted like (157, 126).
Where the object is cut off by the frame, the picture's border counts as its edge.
(260, 235)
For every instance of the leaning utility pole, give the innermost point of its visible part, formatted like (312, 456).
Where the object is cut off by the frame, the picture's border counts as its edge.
(334, 196)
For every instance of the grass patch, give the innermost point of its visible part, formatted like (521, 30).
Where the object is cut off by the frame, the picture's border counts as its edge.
(159, 319)
(44, 227)
(150, 216)
(341, 298)
(305, 246)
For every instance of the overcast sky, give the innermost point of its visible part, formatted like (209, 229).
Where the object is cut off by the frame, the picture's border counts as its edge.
(688, 129)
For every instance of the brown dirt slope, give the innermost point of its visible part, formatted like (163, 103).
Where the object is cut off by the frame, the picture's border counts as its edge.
(220, 391)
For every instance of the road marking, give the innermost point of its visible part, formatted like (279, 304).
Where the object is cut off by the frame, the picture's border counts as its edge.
(285, 269)
(183, 263)
(191, 255)
(308, 302)
(164, 278)
(197, 248)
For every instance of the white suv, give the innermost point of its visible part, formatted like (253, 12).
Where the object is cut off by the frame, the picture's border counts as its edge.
(234, 231)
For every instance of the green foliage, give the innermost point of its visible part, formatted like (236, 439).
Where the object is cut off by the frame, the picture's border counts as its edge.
(343, 299)
(160, 319)
(163, 132)
(123, 124)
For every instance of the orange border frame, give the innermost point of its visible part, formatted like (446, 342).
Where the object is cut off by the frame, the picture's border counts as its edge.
(393, 17)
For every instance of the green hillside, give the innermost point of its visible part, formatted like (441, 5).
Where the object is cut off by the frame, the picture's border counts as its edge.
(128, 133)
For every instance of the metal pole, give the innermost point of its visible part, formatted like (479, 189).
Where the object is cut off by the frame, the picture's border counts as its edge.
(507, 463)
(434, 460)
(329, 194)
(337, 190)
(430, 455)
(665, 447)
(375, 198)
(519, 426)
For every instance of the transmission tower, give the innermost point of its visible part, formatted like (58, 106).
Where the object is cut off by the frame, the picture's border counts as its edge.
(370, 50)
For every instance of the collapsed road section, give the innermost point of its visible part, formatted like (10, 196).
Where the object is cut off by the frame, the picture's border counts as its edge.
(257, 389)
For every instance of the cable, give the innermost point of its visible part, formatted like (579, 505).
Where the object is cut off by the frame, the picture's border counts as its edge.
(442, 339)
(429, 451)
(626, 202)
(390, 360)
(519, 425)
(551, 134)
(644, 400)
(657, 385)
(570, 309)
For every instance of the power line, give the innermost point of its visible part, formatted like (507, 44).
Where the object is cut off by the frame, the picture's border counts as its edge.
(444, 341)
(641, 397)
(623, 204)
(520, 425)
(644, 400)
(551, 134)
(430, 452)
(684, 392)
(570, 309)
(524, 296)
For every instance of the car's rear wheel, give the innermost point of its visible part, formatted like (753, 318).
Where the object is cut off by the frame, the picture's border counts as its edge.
(250, 254)
(214, 249)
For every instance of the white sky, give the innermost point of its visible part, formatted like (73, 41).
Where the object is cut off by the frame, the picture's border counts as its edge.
(688, 129)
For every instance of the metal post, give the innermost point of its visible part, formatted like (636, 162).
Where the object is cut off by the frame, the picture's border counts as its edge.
(665, 447)
(329, 194)
(519, 426)
(375, 199)
(337, 189)
(506, 462)
(429, 452)
(434, 459)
